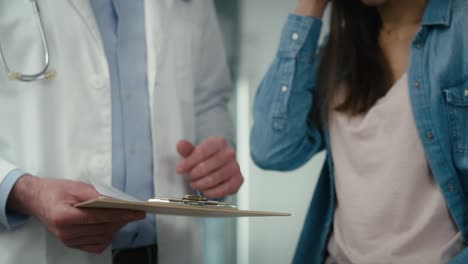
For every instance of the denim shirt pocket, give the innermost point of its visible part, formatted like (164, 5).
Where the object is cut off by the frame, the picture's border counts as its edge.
(457, 103)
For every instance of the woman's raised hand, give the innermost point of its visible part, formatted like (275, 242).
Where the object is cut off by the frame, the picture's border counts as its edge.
(313, 8)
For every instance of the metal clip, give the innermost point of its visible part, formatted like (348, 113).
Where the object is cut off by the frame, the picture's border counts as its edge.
(195, 200)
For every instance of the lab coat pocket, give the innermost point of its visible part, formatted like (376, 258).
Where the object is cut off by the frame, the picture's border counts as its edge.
(457, 106)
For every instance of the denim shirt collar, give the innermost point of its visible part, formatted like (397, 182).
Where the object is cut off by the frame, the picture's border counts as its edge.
(438, 13)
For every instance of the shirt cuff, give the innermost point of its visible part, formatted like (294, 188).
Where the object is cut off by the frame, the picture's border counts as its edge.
(300, 35)
(8, 218)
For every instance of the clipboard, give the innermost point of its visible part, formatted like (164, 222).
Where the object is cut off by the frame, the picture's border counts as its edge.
(189, 205)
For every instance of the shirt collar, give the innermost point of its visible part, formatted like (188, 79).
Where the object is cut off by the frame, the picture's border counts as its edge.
(438, 12)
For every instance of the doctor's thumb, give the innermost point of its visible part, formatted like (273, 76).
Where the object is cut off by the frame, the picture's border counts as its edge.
(185, 148)
(85, 192)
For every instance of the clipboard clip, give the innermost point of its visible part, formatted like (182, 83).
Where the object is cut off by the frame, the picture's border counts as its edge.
(195, 200)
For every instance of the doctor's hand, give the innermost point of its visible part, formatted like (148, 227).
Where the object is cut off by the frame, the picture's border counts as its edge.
(210, 167)
(52, 200)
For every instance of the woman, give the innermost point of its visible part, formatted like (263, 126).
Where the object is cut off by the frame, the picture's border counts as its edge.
(387, 97)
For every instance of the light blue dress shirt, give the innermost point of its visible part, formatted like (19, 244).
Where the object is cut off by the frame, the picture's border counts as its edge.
(122, 27)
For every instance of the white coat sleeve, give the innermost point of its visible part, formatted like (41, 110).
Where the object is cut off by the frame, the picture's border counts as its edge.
(213, 87)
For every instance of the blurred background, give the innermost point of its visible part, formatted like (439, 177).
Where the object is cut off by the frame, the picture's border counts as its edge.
(251, 31)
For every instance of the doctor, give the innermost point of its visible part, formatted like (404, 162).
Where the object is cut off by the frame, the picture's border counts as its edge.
(126, 81)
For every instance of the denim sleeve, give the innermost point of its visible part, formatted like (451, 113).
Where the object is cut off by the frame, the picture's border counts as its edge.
(461, 258)
(9, 219)
(281, 137)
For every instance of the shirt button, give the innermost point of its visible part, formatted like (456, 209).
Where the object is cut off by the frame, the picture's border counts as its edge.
(430, 135)
(295, 36)
(128, 94)
(276, 126)
(417, 84)
(466, 92)
(284, 88)
(418, 46)
(451, 187)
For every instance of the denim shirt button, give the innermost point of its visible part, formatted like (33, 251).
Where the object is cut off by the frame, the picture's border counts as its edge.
(284, 88)
(417, 84)
(418, 46)
(451, 187)
(295, 36)
(466, 93)
(430, 135)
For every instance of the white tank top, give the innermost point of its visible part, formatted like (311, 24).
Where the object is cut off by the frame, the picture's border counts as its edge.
(389, 206)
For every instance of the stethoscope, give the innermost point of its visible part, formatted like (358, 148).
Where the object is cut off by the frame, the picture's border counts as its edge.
(45, 73)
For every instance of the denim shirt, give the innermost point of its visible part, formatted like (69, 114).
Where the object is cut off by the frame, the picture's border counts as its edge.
(283, 139)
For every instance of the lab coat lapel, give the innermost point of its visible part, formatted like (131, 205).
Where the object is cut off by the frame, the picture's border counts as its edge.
(85, 11)
(158, 15)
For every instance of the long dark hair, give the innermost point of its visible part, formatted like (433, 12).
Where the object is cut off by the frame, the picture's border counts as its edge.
(352, 55)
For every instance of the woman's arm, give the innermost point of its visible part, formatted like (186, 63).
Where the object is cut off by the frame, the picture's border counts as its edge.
(282, 138)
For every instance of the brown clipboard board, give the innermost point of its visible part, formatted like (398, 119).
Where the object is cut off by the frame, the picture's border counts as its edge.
(174, 208)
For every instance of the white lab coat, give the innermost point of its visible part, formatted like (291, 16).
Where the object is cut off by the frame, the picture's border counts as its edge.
(61, 128)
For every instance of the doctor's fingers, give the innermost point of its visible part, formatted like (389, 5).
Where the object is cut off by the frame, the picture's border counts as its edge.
(73, 232)
(76, 216)
(96, 248)
(222, 158)
(83, 242)
(185, 147)
(216, 177)
(94, 242)
(226, 188)
(220, 183)
(201, 153)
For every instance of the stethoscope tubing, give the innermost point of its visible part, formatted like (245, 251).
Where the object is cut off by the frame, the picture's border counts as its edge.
(44, 73)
